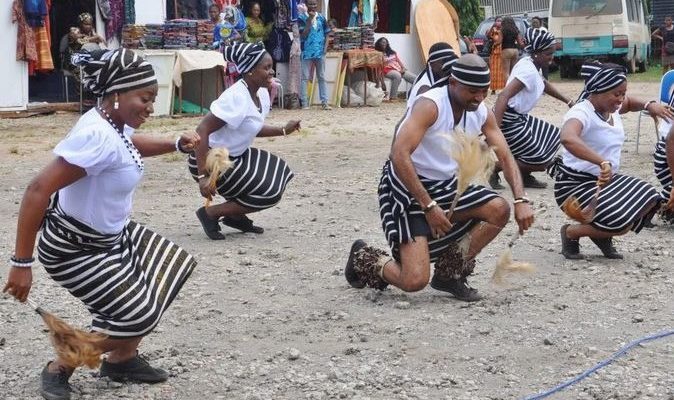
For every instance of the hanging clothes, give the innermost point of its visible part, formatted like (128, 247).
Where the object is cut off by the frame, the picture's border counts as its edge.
(25, 37)
(366, 10)
(282, 17)
(114, 24)
(104, 9)
(35, 12)
(355, 15)
(129, 11)
(44, 62)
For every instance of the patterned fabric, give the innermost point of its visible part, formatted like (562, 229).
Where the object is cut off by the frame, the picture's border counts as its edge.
(498, 80)
(25, 37)
(127, 281)
(538, 40)
(116, 71)
(129, 11)
(662, 170)
(623, 203)
(44, 61)
(471, 75)
(244, 55)
(531, 140)
(113, 26)
(35, 12)
(402, 218)
(258, 31)
(257, 180)
(313, 45)
(600, 78)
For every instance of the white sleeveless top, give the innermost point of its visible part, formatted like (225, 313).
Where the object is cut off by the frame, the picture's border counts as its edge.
(526, 72)
(605, 139)
(243, 121)
(423, 81)
(101, 200)
(432, 159)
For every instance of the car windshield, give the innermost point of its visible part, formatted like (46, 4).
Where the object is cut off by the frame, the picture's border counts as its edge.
(585, 8)
(485, 25)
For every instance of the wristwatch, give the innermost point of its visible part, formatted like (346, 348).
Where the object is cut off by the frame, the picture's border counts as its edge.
(429, 206)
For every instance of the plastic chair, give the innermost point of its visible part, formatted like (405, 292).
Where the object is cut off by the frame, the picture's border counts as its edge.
(277, 90)
(666, 93)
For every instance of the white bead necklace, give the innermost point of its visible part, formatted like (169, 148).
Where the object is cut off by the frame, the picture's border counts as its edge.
(135, 154)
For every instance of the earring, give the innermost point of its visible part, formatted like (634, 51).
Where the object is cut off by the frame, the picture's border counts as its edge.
(116, 105)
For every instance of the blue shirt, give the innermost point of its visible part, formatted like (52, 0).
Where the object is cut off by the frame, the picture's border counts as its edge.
(313, 46)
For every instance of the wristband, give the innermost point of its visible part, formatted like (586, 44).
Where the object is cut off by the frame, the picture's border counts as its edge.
(21, 262)
(284, 131)
(179, 147)
(202, 176)
(429, 206)
(569, 103)
(522, 199)
(601, 164)
(646, 104)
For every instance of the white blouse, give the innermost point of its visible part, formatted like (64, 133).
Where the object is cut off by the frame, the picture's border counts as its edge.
(602, 137)
(101, 200)
(432, 159)
(526, 72)
(243, 121)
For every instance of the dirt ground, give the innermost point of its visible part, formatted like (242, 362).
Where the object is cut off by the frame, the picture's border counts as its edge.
(272, 317)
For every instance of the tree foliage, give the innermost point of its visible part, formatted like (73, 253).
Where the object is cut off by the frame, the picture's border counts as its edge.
(470, 15)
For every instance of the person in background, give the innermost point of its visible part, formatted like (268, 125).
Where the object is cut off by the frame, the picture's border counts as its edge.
(332, 24)
(510, 46)
(537, 23)
(666, 34)
(495, 37)
(214, 14)
(466, 45)
(314, 30)
(394, 69)
(257, 30)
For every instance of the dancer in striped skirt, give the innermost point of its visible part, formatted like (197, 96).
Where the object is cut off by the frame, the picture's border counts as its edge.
(418, 184)
(593, 136)
(532, 141)
(125, 274)
(258, 178)
(663, 160)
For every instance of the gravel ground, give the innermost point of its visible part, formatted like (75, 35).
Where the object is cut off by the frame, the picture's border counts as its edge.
(271, 316)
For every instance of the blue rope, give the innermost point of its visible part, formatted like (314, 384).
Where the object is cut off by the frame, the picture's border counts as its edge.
(599, 365)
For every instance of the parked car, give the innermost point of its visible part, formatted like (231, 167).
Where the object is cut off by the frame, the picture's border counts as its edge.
(480, 36)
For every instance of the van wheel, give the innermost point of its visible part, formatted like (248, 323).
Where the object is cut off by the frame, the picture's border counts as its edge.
(632, 63)
(643, 65)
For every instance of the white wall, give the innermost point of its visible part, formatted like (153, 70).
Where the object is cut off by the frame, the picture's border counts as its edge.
(150, 11)
(14, 75)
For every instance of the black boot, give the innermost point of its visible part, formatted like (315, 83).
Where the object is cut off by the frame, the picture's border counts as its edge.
(495, 181)
(350, 269)
(54, 385)
(570, 247)
(530, 182)
(210, 225)
(606, 247)
(134, 370)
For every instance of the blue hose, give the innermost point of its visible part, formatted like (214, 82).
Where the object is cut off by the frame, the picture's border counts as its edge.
(599, 365)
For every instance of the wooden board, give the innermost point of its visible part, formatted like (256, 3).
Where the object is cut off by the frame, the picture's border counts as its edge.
(436, 21)
(333, 63)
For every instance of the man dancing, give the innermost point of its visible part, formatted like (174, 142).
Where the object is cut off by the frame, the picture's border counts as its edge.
(418, 185)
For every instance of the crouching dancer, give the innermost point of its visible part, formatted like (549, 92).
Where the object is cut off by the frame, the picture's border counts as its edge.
(87, 244)
(418, 184)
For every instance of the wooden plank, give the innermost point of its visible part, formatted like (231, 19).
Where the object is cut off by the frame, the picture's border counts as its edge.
(333, 62)
(435, 23)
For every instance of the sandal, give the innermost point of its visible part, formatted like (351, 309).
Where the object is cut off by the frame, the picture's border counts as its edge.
(606, 247)
(244, 224)
(210, 225)
(570, 247)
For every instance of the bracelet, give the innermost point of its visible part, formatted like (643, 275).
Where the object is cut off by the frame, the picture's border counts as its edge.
(202, 176)
(21, 262)
(179, 147)
(429, 206)
(646, 104)
(605, 162)
(284, 131)
(522, 199)
(569, 103)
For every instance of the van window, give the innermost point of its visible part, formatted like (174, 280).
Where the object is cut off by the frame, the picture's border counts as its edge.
(585, 8)
(631, 12)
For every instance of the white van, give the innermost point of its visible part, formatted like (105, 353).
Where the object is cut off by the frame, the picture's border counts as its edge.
(607, 30)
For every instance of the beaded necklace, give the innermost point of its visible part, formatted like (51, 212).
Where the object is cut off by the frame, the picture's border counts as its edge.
(135, 154)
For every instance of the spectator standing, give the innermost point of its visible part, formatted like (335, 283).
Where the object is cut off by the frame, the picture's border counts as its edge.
(314, 30)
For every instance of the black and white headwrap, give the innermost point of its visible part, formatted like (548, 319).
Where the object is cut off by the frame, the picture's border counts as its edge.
(476, 76)
(440, 52)
(244, 55)
(114, 71)
(538, 40)
(600, 78)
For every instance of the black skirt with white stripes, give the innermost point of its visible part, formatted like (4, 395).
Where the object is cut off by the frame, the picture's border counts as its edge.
(662, 170)
(531, 140)
(623, 203)
(127, 280)
(257, 179)
(402, 218)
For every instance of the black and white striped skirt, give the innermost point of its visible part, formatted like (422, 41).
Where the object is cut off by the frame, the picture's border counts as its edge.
(257, 179)
(662, 170)
(402, 218)
(126, 280)
(623, 203)
(531, 140)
